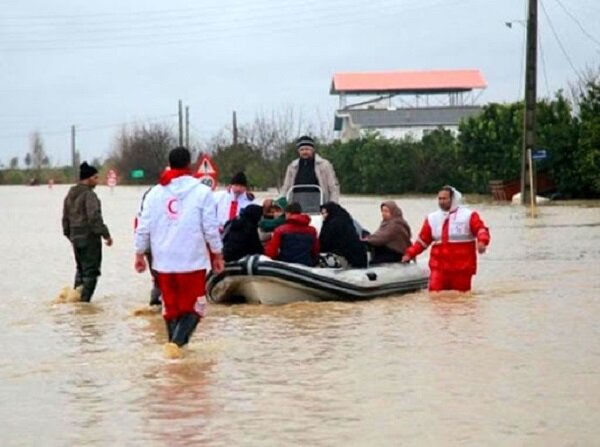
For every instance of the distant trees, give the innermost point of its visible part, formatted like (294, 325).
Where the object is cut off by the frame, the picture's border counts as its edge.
(487, 147)
(14, 163)
(38, 155)
(264, 149)
(587, 154)
(144, 147)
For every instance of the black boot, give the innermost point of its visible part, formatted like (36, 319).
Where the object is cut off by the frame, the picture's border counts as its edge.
(89, 285)
(155, 296)
(78, 281)
(171, 325)
(185, 328)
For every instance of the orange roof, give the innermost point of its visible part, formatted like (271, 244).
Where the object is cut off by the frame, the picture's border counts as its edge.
(407, 81)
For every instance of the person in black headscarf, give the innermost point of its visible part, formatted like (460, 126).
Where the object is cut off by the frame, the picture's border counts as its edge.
(240, 236)
(338, 235)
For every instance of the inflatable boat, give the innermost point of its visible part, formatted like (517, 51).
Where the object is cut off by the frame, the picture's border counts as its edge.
(261, 280)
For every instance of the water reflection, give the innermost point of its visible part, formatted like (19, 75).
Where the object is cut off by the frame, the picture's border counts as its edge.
(177, 404)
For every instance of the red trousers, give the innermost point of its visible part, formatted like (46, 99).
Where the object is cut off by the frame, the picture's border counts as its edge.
(182, 293)
(440, 280)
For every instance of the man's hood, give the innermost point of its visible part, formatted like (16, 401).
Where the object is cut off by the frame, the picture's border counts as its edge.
(181, 186)
(456, 199)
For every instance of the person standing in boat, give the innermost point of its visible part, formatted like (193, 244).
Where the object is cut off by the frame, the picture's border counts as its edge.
(233, 200)
(456, 234)
(312, 169)
(392, 237)
(83, 225)
(178, 223)
(296, 240)
(338, 236)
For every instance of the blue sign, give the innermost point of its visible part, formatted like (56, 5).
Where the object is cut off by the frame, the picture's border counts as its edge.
(539, 154)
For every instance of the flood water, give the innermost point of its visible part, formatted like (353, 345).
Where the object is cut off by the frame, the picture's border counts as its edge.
(517, 362)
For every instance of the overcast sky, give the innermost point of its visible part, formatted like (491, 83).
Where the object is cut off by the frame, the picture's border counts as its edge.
(98, 65)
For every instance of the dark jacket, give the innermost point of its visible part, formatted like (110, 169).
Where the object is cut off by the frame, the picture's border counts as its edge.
(82, 216)
(325, 176)
(394, 233)
(241, 234)
(338, 235)
(295, 241)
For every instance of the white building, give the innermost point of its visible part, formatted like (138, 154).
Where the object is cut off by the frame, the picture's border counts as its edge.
(402, 103)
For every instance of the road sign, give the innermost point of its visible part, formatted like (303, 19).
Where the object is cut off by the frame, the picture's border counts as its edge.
(111, 178)
(208, 181)
(207, 172)
(137, 173)
(539, 154)
(206, 166)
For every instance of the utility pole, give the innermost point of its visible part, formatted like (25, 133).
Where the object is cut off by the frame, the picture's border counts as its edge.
(180, 123)
(528, 180)
(235, 129)
(187, 127)
(73, 154)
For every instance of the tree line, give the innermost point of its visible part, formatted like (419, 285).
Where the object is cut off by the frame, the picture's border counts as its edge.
(487, 147)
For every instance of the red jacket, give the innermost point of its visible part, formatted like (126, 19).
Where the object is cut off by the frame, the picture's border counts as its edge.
(454, 237)
(294, 241)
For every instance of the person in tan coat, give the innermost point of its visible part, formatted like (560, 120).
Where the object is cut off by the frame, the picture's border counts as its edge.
(312, 169)
(392, 238)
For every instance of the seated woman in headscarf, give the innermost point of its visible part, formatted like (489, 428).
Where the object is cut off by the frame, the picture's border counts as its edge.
(240, 236)
(392, 237)
(338, 236)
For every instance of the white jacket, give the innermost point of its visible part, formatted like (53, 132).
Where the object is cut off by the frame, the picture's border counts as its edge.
(176, 223)
(223, 200)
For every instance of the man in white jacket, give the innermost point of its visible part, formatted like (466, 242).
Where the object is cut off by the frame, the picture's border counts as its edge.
(234, 199)
(179, 225)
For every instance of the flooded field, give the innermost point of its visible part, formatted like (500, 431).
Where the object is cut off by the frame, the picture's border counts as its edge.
(517, 362)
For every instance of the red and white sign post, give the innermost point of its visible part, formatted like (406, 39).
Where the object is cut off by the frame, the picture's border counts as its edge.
(111, 179)
(207, 172)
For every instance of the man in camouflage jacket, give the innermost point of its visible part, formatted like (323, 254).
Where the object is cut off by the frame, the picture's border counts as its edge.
(83, 225)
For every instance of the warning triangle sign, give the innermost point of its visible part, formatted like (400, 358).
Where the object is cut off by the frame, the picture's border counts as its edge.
(205, 166)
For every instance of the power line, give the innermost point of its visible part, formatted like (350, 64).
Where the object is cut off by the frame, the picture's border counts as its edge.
(583, 30)
(193, 28)
(125, 15)
(81, 129)
(562, 48)
(172, 21)
(342, 19)
(543, 65)
(199, 17)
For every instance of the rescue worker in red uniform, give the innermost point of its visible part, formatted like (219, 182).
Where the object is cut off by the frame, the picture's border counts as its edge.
(455, 233)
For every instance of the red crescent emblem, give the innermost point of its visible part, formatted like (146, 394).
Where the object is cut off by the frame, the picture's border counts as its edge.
(172, 208)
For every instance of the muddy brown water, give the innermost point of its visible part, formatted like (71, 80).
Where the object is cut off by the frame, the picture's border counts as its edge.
(517, 362)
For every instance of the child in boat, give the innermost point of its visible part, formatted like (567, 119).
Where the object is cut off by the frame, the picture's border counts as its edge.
(273, 216)
(392, 237)
(338, 236)
(295, 241)
(240, 235)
